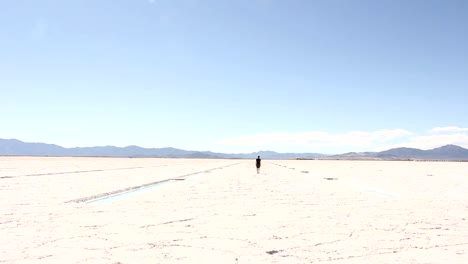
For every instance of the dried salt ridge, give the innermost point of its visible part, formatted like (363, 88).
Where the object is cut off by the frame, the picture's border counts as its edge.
(127, 190)
(374, 212)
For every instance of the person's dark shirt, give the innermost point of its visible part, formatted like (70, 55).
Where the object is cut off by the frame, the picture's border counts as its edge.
(258, 162)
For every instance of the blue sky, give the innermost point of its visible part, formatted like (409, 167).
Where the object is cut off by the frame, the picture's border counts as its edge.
(235, 76)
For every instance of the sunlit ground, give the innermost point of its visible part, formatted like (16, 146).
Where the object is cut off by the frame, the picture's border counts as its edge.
(112, 210)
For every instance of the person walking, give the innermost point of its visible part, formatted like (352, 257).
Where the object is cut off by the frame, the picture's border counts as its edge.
(258, 164)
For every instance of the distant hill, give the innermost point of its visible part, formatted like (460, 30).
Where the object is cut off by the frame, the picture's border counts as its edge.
(18, 148)
(14, 147)
(448, 152)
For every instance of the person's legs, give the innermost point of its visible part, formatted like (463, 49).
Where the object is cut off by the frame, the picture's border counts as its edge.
(258, 170)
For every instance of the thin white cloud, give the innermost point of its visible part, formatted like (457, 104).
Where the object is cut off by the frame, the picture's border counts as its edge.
(39, 30)
(319, 139)
(264, 3)
(432, 141)
(151, 1)
(449, 129)
(164, 19)
(353, 140)
(390, 134)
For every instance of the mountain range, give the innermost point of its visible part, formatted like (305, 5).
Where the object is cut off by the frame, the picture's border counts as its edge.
(14, 147)
(447, 152)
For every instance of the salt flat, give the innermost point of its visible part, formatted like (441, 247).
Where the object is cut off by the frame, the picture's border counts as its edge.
(58, 210)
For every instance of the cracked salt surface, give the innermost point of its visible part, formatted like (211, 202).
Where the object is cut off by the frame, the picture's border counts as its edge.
(233, 214)
(380, 192)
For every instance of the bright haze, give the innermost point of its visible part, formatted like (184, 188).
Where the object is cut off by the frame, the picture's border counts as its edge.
(235, 76)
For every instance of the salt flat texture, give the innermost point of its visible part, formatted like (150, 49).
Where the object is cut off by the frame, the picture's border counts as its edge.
(55, 210)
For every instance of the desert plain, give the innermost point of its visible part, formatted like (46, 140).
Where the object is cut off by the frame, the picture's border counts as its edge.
(145, 210)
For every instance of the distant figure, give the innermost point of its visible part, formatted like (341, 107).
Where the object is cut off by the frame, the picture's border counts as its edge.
(258, 164)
